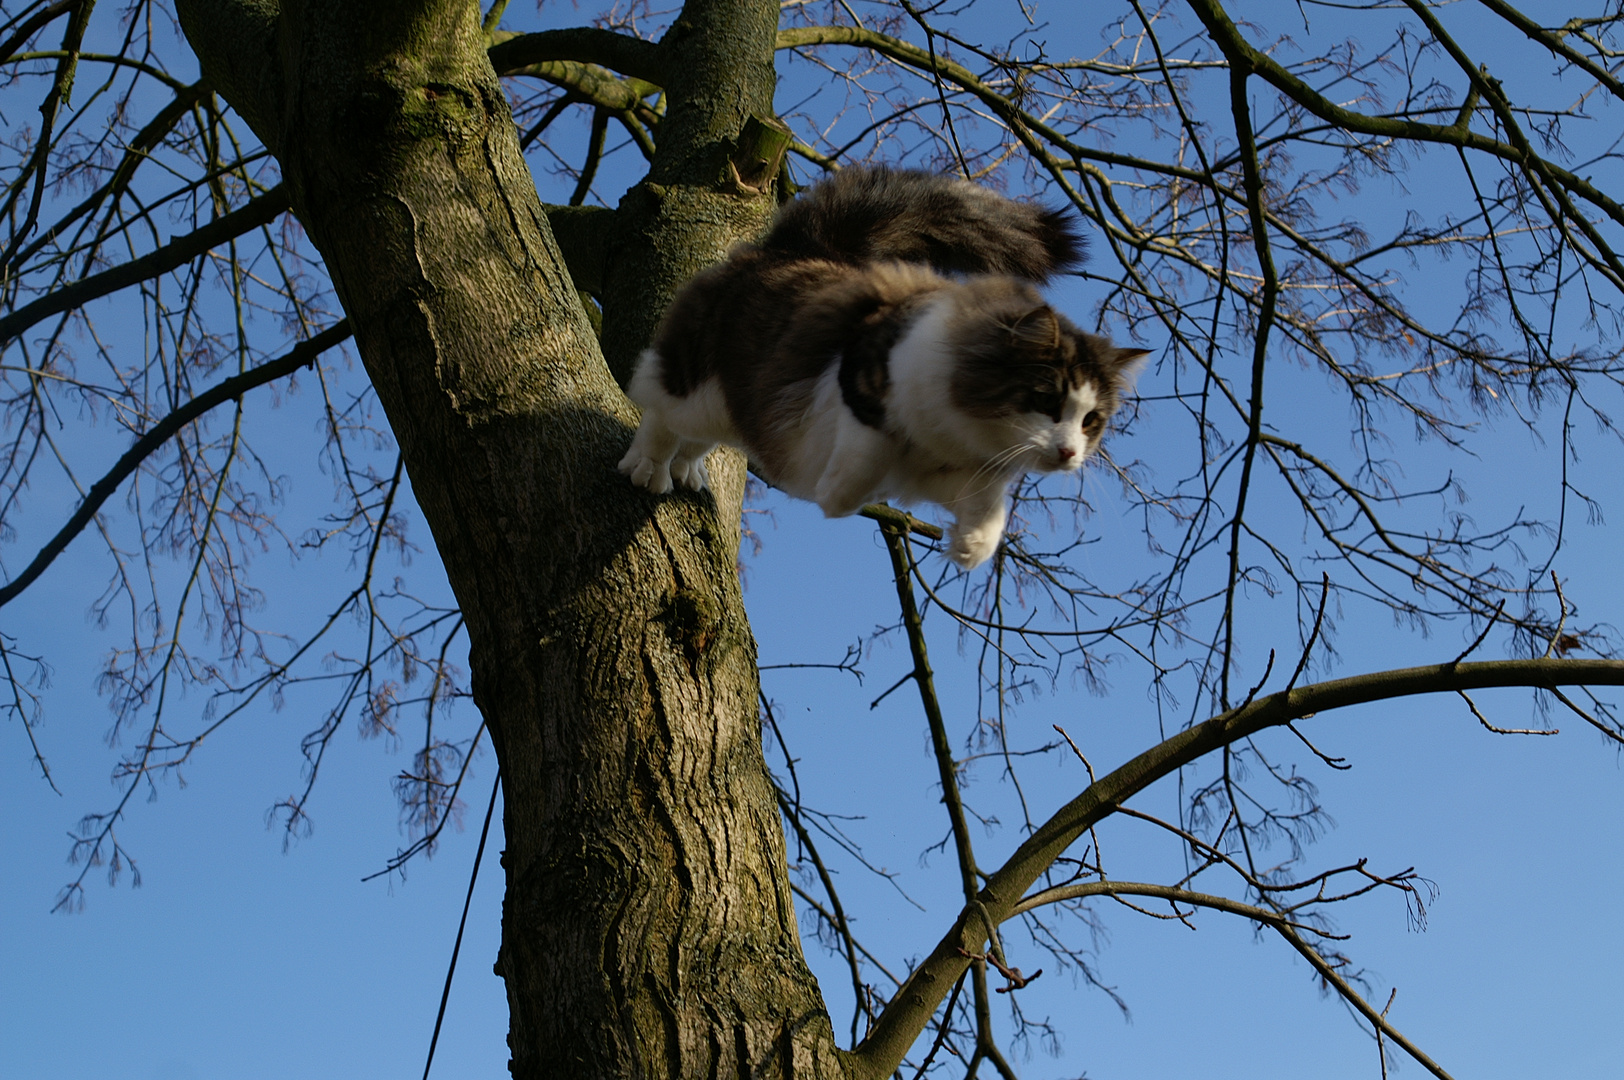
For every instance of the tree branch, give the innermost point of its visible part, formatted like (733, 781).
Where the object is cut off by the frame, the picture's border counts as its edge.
(592, 83)
(901, 519)
(1273, 919)
(299, 356)
(1553, 41)
(1489, 89)
(628, 55)
(912, 1006)
(582, 233)
(235, 43)
(921, 60)
(32, 26)
(1253, 183)
(178, 252)
(1228, 38)
(896, 544)
(136, 153)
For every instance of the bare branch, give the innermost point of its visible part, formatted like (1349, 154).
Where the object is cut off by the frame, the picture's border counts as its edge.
(301, 355)
(901, 1023)
(178, 252)
(628, 55)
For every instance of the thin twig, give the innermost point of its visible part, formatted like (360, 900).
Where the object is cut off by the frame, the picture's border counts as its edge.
(1470, 704)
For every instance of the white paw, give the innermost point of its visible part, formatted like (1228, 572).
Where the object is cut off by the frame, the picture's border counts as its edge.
(690, 473)
(646, 472)
(972, 547)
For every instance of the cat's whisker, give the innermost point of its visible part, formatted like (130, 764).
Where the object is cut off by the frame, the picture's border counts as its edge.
(1003, 457)
(994, 466)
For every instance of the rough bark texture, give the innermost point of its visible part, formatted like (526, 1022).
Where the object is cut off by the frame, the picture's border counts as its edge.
(648, 926)
(684, 217)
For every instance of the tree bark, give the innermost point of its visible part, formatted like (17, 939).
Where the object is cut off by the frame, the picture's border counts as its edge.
(648, 928)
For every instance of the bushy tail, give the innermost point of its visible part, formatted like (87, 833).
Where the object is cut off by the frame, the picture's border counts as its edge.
(865, 214)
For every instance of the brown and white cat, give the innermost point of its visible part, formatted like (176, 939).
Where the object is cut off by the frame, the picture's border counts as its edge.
(883, 341)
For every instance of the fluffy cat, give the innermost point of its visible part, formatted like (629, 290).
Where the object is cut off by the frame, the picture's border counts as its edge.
(882, 341)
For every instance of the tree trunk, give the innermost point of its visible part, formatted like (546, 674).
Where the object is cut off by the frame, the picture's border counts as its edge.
(648, 928)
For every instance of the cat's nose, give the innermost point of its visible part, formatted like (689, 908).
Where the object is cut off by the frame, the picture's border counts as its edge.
(1065, 453)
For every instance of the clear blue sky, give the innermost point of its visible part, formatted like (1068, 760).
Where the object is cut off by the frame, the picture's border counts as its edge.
(234, 960)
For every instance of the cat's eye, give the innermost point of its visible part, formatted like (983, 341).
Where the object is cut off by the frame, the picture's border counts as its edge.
(1092, 420)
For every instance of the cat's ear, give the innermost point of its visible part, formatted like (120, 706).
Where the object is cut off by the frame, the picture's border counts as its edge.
(1037, 329)
(1127, 363)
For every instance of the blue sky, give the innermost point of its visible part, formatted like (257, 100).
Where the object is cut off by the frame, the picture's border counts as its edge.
(237, 960)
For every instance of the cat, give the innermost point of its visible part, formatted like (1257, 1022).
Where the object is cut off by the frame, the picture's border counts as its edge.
(883, 341)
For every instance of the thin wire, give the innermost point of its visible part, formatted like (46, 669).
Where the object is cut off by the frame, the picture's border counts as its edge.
(479, 857)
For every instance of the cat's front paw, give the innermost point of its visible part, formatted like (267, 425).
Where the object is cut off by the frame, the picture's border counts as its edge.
(645, 472)
(690, 473)
(969, 548)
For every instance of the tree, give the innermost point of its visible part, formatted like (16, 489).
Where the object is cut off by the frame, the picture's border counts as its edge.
(650, 926)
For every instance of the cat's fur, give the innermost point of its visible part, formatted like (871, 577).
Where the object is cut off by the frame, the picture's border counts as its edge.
(843, 359)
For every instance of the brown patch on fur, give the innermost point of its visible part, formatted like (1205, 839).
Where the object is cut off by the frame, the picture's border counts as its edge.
(1017, 354)
(767, 328)
(875, 214)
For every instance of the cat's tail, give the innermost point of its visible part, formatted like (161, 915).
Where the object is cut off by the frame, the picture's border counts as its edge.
(871, 213)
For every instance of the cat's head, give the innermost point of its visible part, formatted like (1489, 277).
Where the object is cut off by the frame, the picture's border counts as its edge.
(1038, 391)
